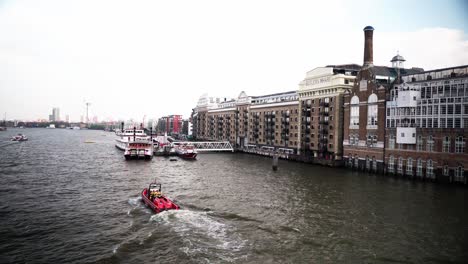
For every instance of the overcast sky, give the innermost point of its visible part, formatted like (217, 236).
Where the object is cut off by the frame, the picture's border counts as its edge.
(155, 58)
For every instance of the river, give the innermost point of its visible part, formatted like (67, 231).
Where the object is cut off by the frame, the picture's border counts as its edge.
(67, 201)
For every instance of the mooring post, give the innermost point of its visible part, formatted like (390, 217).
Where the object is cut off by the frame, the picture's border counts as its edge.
(275, 161)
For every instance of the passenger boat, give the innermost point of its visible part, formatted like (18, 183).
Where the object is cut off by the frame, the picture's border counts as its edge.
(19, 137)
(139, 149)
(186, 151)
(153, 198)
(129, 135)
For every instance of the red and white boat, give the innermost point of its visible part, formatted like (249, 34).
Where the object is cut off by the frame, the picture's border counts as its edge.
(153, 198)
(186, 151)
(139, 149)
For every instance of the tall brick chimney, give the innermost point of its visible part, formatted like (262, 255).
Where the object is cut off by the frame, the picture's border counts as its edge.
(368, 46)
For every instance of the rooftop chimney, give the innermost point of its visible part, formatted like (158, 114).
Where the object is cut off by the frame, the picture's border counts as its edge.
(368, 46)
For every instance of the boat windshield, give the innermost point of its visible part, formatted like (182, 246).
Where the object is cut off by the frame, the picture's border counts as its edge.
(155, 187)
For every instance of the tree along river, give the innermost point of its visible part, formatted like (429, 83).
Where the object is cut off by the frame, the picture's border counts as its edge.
(64, 200)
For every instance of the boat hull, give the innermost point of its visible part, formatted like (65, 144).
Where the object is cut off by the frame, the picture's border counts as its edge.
(188, 155)
(159, 204)
(138, 157)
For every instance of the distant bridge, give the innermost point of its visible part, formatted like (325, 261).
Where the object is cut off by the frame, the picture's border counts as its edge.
(207, 146)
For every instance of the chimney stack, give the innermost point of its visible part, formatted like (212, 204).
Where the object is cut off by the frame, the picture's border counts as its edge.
(368, 46)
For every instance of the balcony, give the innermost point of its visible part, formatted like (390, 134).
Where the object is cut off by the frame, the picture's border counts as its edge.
(324, 113)
(324, 104)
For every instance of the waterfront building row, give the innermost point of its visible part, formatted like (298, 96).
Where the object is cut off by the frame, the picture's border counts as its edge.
(393, 120)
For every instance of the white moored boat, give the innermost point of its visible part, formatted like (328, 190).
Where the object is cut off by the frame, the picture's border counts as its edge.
(129, 135)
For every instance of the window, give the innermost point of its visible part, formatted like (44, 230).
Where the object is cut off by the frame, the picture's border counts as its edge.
(446, 144)
(354, 116)
(400, 165)
(459, 173)
(446, 170)
(409, 167)
(419, 168)
(419, 143)
(372, 110)
(429, 169)
(430, 144)
(391, 164)
(374, 164)
(391, 142)
(459, 144)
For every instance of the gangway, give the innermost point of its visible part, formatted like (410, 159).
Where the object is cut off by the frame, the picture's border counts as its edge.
(207, 146)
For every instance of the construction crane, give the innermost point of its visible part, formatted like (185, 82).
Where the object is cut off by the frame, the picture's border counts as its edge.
(87, 112)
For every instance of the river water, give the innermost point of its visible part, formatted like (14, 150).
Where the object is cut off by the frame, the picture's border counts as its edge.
(67, 201)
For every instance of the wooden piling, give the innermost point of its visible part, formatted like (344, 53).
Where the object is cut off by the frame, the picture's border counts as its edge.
(275, 161)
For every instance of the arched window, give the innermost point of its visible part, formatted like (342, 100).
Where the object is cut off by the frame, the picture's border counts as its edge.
(409, 167)
(430, 144)
(400, 165)
(419, 168)
(459, 144)
(372, 110)
(419, 143)
(459, 173)
(446, 144)
(354, 113)
(429, 169)
(391, 164)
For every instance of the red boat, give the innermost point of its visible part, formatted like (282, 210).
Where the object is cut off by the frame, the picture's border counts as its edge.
(153, 198)
(186, 151)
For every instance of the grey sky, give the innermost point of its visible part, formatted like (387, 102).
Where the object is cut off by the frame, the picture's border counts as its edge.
(155, 58)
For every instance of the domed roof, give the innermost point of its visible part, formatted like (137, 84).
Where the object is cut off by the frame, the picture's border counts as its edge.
(368, 28)
(398, 57)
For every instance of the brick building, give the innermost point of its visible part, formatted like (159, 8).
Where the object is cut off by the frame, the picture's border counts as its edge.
(427, 116)
(364, 111)
(321, 112)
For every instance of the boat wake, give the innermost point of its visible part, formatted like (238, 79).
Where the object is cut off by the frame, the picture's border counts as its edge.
(7, 143)
(134, 201)
(202, 235)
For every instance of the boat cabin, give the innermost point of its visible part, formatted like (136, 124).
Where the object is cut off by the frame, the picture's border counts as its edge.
(139, 145)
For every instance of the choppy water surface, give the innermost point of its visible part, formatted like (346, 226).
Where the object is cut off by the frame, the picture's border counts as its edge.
(64, 200)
